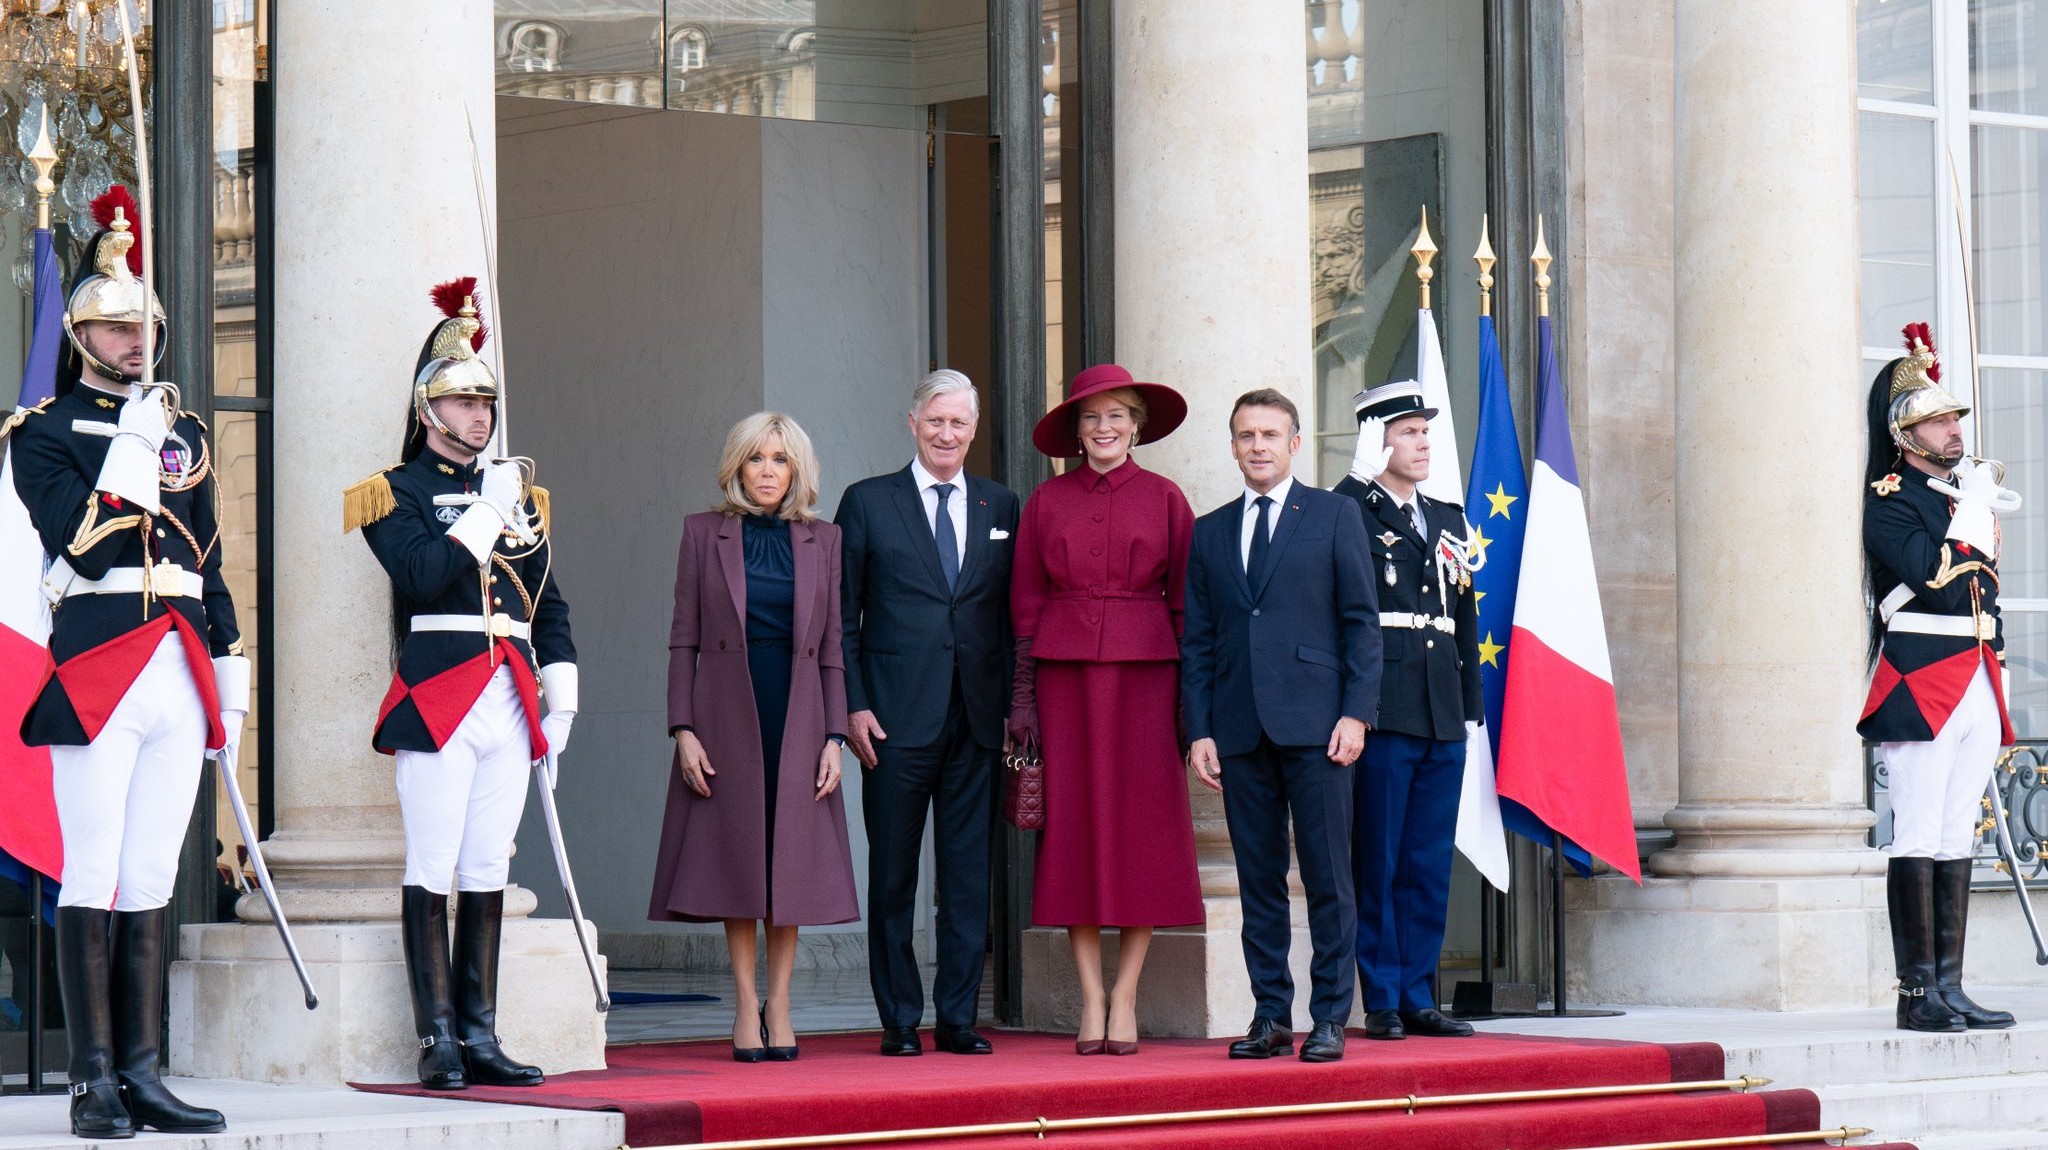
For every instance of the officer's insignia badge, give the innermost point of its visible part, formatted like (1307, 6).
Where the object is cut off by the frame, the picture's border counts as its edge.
(1389, 538)
(448, 514)
(1888, 485)
(444, 469)
(106, 403)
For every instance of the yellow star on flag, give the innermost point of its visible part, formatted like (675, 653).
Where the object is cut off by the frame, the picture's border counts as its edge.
(1500, 499)
(1478, 597)
(1480, 541)
(1489, 651)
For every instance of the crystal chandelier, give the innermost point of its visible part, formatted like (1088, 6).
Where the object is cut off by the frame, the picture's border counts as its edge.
(61, 63)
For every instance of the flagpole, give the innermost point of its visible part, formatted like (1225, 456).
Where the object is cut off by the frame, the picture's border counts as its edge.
(44, 156)
(1488, 899)
(1540, 258)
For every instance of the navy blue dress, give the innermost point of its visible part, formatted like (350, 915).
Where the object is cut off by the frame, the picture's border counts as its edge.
(771, 622)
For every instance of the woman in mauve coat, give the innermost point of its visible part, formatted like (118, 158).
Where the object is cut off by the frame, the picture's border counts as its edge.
(1096, 592)
(756, 825)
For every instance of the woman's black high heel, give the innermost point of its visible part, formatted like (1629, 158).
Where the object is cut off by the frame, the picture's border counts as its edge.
(774, 1053)
(758, 1053)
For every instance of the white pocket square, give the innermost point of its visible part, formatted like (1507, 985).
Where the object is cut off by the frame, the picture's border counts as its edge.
(998, 533)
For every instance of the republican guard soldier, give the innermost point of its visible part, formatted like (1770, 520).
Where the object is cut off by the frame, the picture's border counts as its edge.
(1937, 699)
(146, 676)
(1408, 781)
(485, 684)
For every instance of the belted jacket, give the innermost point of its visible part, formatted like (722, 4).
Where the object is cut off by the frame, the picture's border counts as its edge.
(118, 579)
(460, 619)
(1936, 602)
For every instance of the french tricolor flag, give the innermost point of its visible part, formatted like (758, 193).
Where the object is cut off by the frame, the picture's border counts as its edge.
(1560, 732)
(29, 839)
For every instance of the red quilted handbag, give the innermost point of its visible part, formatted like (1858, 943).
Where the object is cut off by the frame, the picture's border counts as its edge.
(1024, 789)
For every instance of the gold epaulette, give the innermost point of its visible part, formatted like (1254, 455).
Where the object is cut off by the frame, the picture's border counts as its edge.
(543, 507)
(20, 417)
(194, 417)
(368, 501)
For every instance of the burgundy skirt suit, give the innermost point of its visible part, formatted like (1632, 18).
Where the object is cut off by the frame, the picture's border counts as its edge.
(716, 859)
(1096, 586)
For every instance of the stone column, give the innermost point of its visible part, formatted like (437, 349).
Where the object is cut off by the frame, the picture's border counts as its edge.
(1765, 900)
(382, 108)
(1212, 297)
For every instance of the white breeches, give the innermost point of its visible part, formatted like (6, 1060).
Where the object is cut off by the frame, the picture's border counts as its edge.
(125, 799)
(462, 803)
(1936, 785)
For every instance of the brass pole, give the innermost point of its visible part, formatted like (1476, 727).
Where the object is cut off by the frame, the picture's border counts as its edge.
(1424, 251)
(1042, 1126)
(1541, 258)
(1842, 1132)
(45, 159)
(1485, 259)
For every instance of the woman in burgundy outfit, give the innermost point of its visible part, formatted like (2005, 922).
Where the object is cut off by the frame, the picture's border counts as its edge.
(1096, 591)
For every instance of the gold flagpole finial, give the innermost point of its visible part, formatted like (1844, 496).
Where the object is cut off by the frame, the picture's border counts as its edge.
(44, 156)
(1424, 251)
(1541, 258)
(1485, 259)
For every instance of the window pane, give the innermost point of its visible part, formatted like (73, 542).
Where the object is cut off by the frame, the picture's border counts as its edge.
(2008, 48)
(1895, 50)
(2015, 408)
(1897, 184)
(2009, 257)
(2026, 665)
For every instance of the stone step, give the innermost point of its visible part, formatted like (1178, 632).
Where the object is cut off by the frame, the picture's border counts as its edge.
(263, 1117)
(1914, 1111)
(1992, 1140)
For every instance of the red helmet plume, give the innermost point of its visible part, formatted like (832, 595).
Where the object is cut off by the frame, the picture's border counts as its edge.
(449, 298)
(103, 214)
(1923, 335)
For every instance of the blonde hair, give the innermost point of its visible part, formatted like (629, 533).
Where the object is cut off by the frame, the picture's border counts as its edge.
(1127, 396)
(748, 436)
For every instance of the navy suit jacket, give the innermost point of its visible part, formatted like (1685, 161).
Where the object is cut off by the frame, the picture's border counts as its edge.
(1291, 656)
(905, 635)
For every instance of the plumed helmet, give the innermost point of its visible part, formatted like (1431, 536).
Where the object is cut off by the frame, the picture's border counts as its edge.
(448, 363)
(108, 287)
(1908, 391)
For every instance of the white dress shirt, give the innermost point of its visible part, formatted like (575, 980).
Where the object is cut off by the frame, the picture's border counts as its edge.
(1244, 535)
(956, 504)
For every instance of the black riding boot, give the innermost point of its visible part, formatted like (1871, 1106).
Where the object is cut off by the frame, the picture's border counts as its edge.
(1951, 920)
(138, 1021)
(1909, 887)
(423, 919)
(478, 915)
(96, 1107)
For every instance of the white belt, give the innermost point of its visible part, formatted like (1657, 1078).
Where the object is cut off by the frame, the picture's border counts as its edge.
(165, 581)
(500, 625)
(1409, 622)
(1983, 628)
(1898, 597)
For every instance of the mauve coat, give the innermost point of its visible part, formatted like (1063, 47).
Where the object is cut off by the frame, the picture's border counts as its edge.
(713, 863)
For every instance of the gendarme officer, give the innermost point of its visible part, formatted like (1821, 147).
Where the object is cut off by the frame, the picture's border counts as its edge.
(1407, 782)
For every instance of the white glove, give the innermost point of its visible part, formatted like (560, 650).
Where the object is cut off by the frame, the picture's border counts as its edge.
(501, 488)
(554, 727)
(231, 686)
(144, 415)
(1372, 454)
(1976, 492)
(231, 722)
(131, 469)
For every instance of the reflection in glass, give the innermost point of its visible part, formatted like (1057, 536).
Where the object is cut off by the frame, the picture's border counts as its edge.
(2026, 667)
(873, 62)
(2014, 403)
(1895, 51)
(1898, 220)
(2008, 50)
(2009, 256)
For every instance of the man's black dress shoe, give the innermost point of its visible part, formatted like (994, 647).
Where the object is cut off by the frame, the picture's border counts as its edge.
(1265, 1039)
(901, 1041)
(1434, 1024)
(1324, 1044)
(959, 1040)
(1384, 1024)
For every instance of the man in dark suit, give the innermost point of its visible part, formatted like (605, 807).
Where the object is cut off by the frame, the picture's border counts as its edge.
(927, 632)
(1408, 785)
(1280, 680)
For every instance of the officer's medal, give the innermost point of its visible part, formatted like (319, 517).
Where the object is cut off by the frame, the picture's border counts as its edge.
(1387, 540)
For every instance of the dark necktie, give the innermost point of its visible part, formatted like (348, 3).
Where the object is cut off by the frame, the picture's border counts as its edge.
(949, 543)
(1255, 565)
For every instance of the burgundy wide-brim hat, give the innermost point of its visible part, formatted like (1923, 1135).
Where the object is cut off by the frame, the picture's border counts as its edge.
(1055, 434)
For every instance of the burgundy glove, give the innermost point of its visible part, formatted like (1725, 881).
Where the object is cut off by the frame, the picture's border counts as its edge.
(1024, 699)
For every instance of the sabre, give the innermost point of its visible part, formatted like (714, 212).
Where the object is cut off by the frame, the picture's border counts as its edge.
(2012, 867)
(169, 391)
(284, 929)
(543, 769)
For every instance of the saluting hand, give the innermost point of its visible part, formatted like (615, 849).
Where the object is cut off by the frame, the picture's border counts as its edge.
(828, 770)
(1347, 742)
(861, 729)
(1208, 766)
(694, 763)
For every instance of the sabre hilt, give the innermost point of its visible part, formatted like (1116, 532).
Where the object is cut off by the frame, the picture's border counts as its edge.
(528, 530)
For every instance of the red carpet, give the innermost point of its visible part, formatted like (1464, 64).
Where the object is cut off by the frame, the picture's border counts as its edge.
(692, 1092)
